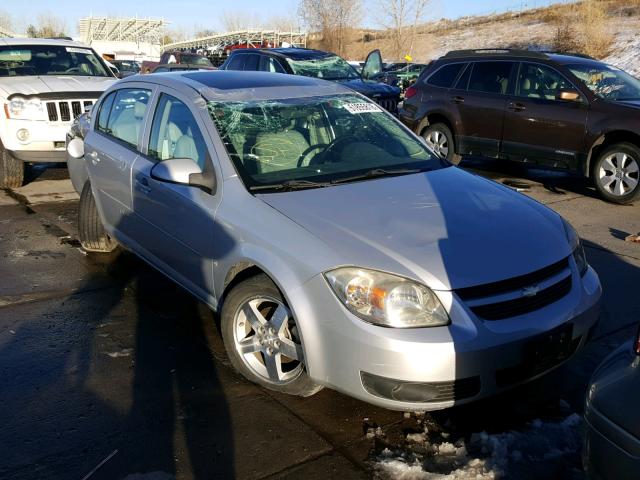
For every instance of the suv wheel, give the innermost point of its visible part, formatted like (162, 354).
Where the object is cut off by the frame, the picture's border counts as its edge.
(440, 139)
(11, 170)
(93, 237)
(262, 339)
(616, 173)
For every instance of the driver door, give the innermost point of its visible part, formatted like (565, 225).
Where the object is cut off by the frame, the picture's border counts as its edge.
(177, 221)
(373, 65)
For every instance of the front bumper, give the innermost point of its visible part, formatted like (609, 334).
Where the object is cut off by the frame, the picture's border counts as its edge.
(46, 142)
(339, 347)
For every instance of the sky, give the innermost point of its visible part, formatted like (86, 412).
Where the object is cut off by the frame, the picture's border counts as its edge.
(193, 15)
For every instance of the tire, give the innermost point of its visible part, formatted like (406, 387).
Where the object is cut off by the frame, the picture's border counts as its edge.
(93, 237)
(616, 173)
(11, 170)
(257, 333)
(440, 139)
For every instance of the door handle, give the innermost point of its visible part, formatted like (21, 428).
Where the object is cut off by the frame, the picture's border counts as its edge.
(95, 159)
(142, 185)
(457, 99)
(516, 107)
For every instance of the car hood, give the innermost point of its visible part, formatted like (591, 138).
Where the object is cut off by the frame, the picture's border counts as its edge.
(447, 228)
(371, 89)
(39, 85)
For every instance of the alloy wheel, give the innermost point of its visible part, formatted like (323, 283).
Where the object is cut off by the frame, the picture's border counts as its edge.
(619, 174)
(266, 338)
(437, 141)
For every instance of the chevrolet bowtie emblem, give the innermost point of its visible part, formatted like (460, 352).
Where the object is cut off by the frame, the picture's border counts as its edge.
(531, 291)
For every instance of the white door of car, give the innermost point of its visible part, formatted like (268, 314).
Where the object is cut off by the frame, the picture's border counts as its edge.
(175, 222)
(111, 148)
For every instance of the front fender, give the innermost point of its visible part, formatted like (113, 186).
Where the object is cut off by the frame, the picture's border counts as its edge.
(78, 172)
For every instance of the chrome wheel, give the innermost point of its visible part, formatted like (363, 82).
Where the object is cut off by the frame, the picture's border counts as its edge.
(437, 141)
(619, 174)
(266, 338)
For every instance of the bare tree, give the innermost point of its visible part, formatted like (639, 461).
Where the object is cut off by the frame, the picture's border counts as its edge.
(234, 21)
(48, 26)
(401, 19)
(6, 23)
(333, 19)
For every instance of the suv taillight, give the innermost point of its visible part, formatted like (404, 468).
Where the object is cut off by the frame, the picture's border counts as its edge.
(410, 92)
(636, 344)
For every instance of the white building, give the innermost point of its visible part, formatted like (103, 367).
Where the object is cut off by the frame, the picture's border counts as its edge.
(124, 38)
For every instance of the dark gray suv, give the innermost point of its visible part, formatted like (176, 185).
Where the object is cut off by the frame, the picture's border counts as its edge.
(561, 111)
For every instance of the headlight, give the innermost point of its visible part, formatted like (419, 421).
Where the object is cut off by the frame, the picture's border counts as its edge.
(576, 247)
(385, 299)
(24, 109)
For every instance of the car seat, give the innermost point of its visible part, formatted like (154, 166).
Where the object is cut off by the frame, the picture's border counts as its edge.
(275, 151)
(127, 125)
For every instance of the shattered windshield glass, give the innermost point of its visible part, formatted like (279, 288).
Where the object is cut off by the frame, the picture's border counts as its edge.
(608, 82)
(315, 139)
(328, 68)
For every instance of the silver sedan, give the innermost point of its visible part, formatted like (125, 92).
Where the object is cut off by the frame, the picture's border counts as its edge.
(338, 250)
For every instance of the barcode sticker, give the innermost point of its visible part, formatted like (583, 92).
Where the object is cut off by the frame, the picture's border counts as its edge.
(362, 107)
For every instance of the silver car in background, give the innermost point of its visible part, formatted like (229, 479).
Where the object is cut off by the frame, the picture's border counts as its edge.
(337, 249)
(612, 416)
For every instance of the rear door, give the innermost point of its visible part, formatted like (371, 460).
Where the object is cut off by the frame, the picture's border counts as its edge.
(176, 222)
(480, 98)
(539, 126)
(111, 148)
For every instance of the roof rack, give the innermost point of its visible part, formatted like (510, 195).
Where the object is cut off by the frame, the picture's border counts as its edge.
(570, 54)
(496, 52)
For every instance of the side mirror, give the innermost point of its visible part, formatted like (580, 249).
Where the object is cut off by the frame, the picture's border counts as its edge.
(373, 65)
(184, 171)
(75, 148)
(569, 96)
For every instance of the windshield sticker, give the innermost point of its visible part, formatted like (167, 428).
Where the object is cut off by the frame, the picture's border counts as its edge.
(362, 108)
(78, 50)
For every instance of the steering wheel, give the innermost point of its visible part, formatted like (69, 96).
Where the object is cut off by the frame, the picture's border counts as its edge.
(306, 153)
(72, 70)
(332, 146)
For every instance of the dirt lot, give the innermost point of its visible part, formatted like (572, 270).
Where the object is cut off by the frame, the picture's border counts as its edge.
(105, 363)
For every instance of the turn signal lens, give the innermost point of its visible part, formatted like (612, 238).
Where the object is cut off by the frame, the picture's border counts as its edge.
(410, 92)
(636, 345)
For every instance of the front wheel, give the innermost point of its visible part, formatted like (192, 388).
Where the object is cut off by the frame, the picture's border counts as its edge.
(616, 173)
(93, 236)
(262, 338)
(440, 139)
(11, 169)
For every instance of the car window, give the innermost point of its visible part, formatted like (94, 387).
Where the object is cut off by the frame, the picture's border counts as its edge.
(127, 114)
(105, 109)
(490, 77)
(539, 81)
(445, 76)
(175, 133)
(251, 62)
(606, 81)
(161, 70)
(463, 81)
(236, 62)
(43, 60)
(270, 64)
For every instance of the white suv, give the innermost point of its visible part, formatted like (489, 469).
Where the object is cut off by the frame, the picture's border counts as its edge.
(44, 85)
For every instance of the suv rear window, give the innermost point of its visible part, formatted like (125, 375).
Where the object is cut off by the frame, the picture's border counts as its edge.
(445, 76)
(490, 77)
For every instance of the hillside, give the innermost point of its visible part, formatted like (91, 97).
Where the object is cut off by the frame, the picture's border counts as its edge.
(528, 29)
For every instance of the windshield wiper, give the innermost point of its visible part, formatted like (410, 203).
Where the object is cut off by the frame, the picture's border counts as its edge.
(379, 172)
(290, 185)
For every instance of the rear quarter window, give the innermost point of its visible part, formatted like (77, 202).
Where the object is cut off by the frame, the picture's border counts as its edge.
(445, 76)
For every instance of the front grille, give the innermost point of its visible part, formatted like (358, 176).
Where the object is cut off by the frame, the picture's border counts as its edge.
(514, 283)
(390, 104)
(522, 305)
(66, 110)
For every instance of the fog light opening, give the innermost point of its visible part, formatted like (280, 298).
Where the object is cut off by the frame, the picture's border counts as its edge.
(23, 134)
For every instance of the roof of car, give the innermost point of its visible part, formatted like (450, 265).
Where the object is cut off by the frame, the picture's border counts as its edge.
(559, 57)
(294, 52)
(41, 41)
(237, 80)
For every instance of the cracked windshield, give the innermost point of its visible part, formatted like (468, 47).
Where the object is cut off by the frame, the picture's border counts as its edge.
(608, 82)
(329, 67)
(319, 139)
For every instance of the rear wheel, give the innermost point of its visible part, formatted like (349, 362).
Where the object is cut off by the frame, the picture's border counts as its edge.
(616, 173)
(262, 338)
(440, 139)
(93, 236)
(11, 169)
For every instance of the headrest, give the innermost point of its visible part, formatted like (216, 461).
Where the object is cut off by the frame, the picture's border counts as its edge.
(139, 109)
